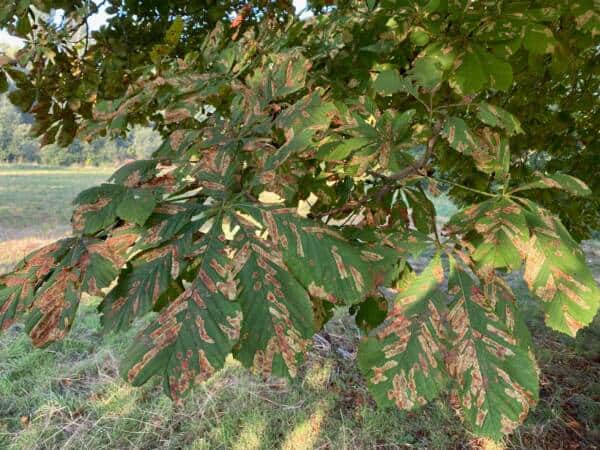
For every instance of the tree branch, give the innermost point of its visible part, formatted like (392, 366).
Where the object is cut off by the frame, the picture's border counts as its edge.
(417, 166)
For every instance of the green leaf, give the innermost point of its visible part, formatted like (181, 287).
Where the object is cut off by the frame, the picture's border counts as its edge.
(556, 272)
(136, 205)
(459, 136)
(22, 98)
(343, 149)
(479, 69)
(191, 338)
(427, 72)
(141, 284)
(539, 39)
(495, 377)
(388, 82)
(3, 82)
(403, 360)
(325, 263)
(296, 143)
(495, 116)
(560, 181)
(503, 235)
(371, 313)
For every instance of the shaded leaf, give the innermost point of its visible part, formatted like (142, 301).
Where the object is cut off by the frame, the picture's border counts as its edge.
(403, 360)
(560, 181)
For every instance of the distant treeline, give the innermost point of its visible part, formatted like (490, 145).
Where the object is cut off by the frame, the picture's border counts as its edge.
(18, 146)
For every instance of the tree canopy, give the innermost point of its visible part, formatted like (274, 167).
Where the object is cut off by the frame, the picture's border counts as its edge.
(295, 177)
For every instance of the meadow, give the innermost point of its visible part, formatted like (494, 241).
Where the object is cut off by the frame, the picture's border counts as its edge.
(70, 395)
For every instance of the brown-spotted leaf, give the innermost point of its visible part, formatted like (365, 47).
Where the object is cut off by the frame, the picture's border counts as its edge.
(495, 380)
(190, 339)
(403, 359)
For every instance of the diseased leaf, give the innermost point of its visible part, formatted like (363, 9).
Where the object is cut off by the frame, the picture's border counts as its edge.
(191, 338)
(495, 379)
(489, 150)
(87, 266)
(278, 318)
(560, 181)
(99, 207)
(141, 285)
(503, 235)
(495, 116)
(135, 173)
(493, 154)
(556, 272)
(17, 289)
(326, 264)
(422, 211)
(403, 359)
(459, 136)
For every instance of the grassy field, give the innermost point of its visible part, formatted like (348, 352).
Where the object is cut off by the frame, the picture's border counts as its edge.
(70, 395)
(35, 205)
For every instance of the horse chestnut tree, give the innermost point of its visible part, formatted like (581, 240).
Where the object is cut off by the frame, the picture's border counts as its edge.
(296, 176)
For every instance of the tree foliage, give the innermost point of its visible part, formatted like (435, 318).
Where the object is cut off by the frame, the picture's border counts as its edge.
(296, 174)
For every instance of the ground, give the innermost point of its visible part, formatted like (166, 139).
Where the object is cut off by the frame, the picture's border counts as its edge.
(71, 396)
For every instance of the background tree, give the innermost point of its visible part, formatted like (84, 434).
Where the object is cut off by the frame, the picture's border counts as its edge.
(294, 178)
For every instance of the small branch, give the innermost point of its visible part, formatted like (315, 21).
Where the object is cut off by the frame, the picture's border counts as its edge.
(416, 167)
(461, 186)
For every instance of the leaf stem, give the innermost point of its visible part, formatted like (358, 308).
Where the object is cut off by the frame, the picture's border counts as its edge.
(461, 186)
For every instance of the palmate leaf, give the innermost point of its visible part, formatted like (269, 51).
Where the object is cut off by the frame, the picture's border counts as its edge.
(17, 289)
(489, 150)
(326, 263)
(556, 272)
(59, 274)
(403, 359)
(560, 181)
(99, 207)
(266, 269)
(495, 232)
(190, 339)
(495, 116)
(142, 284)
(494, 375)
(278, 318)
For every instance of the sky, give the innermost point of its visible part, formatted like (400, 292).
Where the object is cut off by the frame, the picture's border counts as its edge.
(97, 20)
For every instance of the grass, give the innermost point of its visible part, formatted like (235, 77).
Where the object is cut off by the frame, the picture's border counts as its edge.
(35, 205)
(70, 395)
